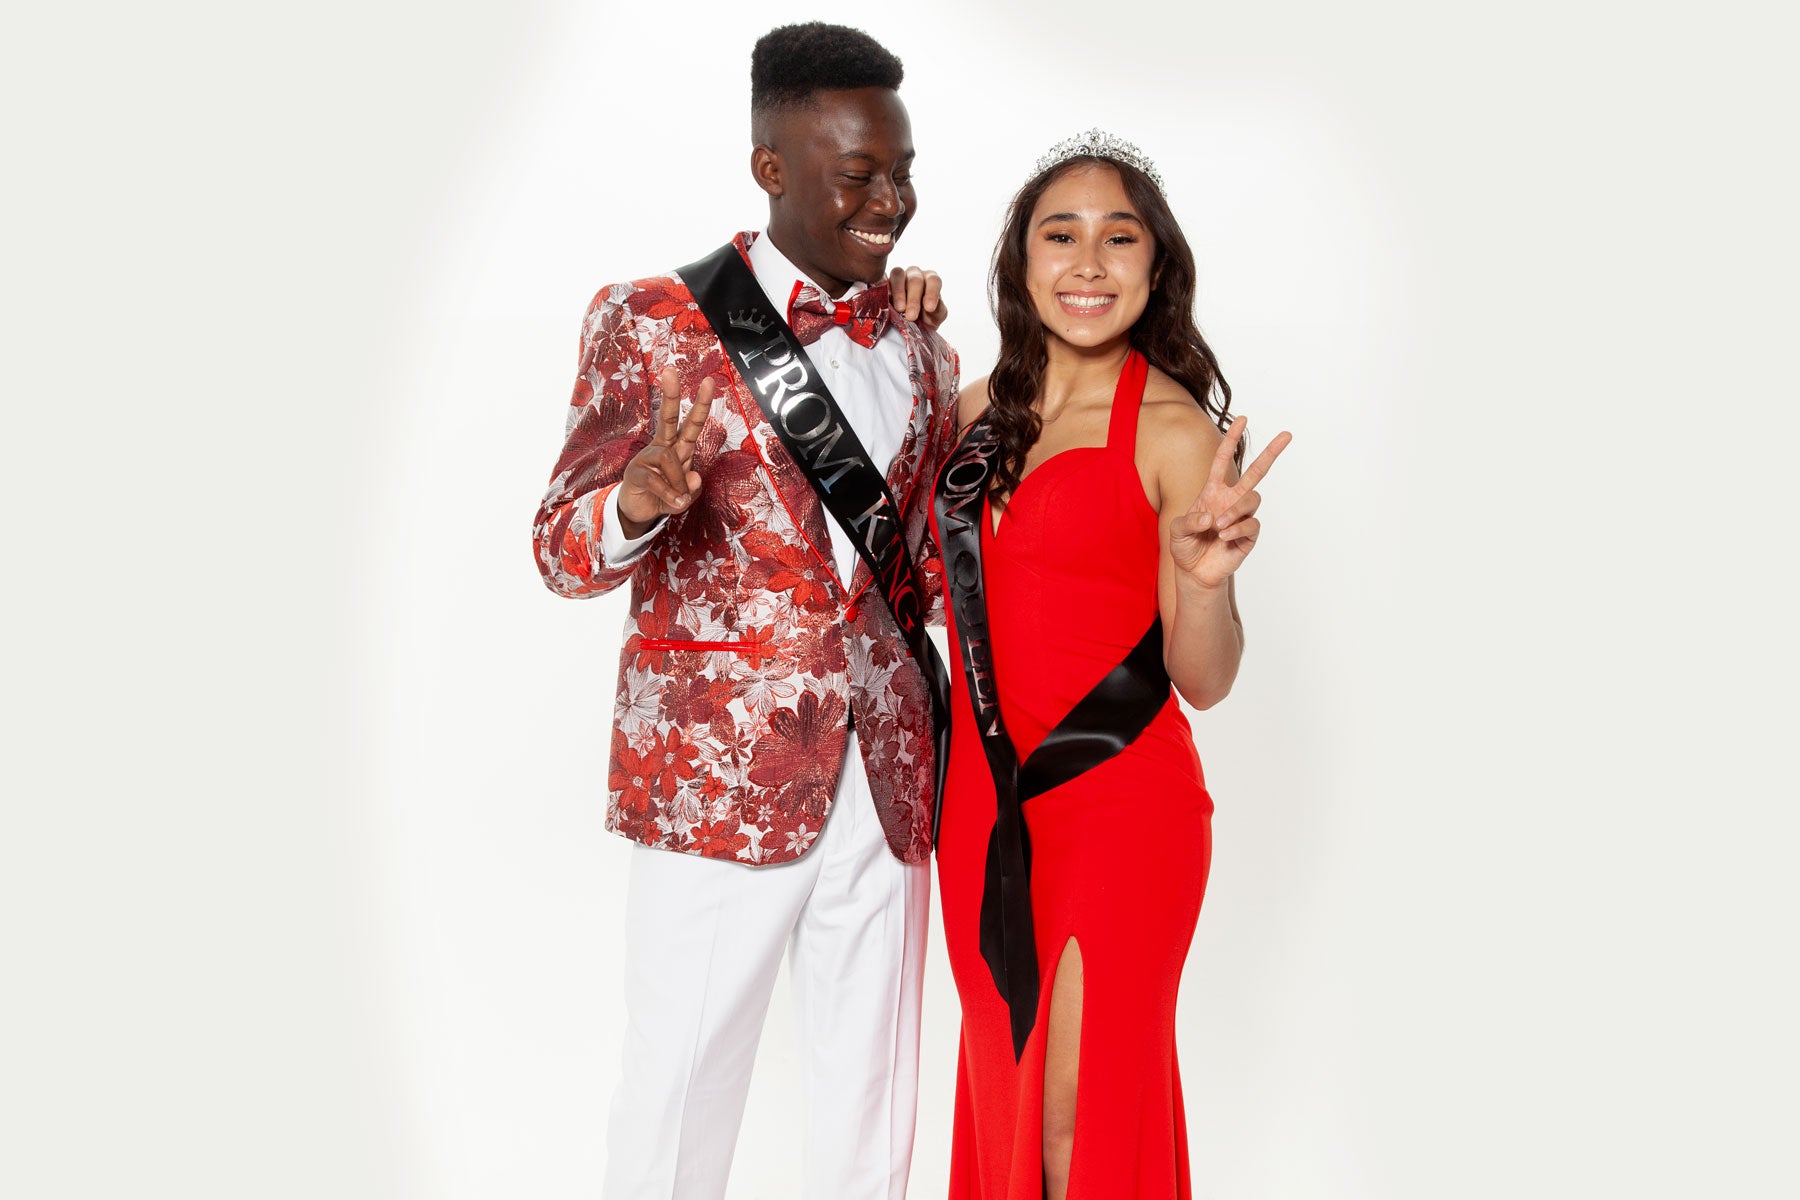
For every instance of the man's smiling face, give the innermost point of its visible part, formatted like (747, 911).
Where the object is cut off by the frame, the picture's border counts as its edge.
(839, 177)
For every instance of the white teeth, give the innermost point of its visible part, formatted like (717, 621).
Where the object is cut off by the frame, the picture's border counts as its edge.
(876, 239)
(1085, 301)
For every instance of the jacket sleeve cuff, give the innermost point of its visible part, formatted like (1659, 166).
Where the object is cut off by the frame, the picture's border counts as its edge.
(617, 550)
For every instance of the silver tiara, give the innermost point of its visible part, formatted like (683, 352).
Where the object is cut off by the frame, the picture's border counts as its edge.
(1097, 143)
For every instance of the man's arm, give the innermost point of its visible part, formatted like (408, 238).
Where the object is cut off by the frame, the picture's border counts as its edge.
(610, 418)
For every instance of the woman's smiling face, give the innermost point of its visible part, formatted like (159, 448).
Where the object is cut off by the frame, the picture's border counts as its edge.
(1089, 257)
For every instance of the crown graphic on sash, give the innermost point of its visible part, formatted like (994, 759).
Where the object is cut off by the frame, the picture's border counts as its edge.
(743, 318)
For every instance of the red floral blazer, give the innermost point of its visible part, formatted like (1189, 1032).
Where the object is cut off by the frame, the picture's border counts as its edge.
(743, 648)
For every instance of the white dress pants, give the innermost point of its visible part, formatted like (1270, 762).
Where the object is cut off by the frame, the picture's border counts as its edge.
(704, 940)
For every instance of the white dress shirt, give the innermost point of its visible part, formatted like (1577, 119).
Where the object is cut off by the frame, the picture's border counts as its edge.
(870, 383)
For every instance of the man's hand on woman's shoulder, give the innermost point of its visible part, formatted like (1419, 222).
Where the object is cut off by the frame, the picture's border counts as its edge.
(915, 294)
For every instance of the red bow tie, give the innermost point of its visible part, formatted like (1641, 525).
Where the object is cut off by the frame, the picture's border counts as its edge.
(811, 312)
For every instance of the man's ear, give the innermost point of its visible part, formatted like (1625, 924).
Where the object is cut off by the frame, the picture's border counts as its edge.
(765, 168)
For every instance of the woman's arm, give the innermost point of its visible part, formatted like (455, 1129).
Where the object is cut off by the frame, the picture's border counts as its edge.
(1207, 516)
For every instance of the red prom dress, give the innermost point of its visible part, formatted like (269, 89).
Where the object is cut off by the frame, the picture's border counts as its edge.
(1119, 854)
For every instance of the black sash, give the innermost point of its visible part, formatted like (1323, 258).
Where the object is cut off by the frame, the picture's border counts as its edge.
(776, 370)
(1103, 723)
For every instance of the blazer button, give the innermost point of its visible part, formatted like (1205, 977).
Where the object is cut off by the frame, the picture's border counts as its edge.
(851, 613)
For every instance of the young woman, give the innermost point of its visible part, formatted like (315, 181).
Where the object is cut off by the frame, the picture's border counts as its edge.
(1091, 519)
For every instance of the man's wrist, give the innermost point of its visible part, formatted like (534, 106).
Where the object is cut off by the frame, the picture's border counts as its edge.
(622, 539)
(633, 530)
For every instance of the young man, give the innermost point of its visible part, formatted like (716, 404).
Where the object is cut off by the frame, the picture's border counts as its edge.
(773, 749)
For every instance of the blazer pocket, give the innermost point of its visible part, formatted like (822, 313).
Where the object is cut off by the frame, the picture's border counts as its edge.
(735, 647)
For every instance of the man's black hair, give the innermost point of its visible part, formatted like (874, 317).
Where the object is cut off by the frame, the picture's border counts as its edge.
(789, 64)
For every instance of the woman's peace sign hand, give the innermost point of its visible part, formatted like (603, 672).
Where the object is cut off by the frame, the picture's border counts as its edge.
(1213, 538)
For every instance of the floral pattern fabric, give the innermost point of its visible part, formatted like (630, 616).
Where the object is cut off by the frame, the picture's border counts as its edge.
(744, 653)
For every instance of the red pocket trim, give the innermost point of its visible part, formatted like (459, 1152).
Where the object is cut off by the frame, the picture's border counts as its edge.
(738, 647)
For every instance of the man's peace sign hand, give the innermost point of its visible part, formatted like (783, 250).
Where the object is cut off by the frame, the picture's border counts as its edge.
(1213, 538)
(660, 479)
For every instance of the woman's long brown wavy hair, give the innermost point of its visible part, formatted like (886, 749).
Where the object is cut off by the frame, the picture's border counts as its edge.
(1165, 334)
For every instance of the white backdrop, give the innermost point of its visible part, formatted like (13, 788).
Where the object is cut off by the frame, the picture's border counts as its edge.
(305, 887)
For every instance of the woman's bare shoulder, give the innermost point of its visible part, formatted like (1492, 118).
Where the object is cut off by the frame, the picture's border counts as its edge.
(1173, 422)
(972, 401)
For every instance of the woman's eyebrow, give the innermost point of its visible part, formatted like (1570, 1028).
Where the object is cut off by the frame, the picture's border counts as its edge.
(1113, 216)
